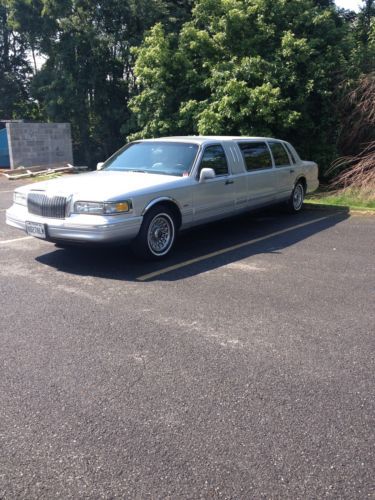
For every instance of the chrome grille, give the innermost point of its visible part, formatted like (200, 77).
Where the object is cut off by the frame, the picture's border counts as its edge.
(40, 204)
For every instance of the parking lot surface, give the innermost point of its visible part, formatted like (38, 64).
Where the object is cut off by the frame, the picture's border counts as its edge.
(240, 367)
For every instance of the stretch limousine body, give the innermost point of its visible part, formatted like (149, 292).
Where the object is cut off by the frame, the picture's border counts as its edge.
(150, 189)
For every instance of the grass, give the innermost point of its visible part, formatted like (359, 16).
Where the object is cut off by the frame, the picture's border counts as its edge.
(352, 198)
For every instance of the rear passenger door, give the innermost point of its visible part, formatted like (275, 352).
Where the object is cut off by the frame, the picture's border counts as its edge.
(284, 170)
(214, 198)
(260, 174)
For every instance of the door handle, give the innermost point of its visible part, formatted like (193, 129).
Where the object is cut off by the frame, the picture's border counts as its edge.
(291, 170)
(229, 182)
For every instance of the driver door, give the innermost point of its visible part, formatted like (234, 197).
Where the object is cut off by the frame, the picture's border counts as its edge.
(214, 198)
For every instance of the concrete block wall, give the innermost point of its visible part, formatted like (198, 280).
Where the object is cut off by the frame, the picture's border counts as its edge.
(34, 144)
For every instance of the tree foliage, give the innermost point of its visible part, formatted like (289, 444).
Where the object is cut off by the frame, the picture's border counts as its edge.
(88, 76)
(15, 70)
(120, 69)
(358, 116)
(248, 68)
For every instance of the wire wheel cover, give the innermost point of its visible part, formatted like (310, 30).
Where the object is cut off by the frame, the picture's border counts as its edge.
(298, 197)
(160, 234)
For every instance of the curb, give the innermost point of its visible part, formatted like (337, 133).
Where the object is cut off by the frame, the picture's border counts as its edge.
(338, 208)
(24, 173)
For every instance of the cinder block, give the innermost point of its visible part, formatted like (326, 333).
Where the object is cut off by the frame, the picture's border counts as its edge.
(32, 144)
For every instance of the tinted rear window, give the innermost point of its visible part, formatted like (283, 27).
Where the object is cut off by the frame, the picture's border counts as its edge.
(290, 153)
(279, 154)
(256, 155)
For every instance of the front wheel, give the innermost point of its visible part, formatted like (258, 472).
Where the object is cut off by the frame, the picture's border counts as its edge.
(295, 202)
(157, 234)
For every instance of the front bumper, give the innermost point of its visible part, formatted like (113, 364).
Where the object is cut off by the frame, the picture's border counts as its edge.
(79, 228)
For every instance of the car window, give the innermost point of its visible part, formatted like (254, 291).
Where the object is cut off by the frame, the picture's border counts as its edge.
(214, 157)
(256, 155)
(156, 157)
(279, 154)
(290, 153)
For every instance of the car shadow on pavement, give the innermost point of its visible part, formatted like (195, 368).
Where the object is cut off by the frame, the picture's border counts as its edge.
(198, 250)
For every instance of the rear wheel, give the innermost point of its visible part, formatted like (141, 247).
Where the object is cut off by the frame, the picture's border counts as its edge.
(295, 202)
(157, 234)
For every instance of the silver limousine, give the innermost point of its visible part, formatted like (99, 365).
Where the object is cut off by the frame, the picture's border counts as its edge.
(150, 189)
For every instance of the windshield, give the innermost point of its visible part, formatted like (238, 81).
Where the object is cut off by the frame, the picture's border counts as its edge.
(170, 158)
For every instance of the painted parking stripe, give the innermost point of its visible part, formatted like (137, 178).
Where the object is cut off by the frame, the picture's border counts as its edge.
(5, 242)
(12, 191)
(146, 277)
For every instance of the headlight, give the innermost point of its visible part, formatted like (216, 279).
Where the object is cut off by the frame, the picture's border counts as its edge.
(117, 208)
(88, 207)
(98, 208)
(20, 198)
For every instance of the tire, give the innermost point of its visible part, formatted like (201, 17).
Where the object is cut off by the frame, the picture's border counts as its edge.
(295, 202)
(157, 235)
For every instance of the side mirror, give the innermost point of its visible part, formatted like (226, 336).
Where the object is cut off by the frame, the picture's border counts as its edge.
(99, 165)
(206, 173)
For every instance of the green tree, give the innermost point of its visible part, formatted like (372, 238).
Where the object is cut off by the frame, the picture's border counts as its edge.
(364, 31)
(357, 97)
(15, 70)
(88, 77)
(161, 73)
(247, 67)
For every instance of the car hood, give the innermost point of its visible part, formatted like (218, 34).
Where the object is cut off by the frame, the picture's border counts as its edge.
(102, 185)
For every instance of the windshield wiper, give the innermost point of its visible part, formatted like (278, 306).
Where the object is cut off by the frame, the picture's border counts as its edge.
(136, 170)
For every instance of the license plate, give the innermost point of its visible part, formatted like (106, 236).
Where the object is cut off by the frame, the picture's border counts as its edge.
(36, 229)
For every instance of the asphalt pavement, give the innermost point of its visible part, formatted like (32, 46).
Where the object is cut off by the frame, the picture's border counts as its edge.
(242, 367)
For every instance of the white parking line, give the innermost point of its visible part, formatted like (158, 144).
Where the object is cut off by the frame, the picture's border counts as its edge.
(12, 191)
(228, 249)
(4, 242)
